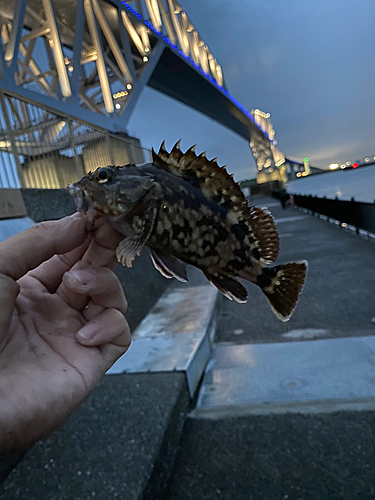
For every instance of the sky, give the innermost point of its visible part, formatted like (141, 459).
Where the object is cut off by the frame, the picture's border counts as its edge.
(311, 65)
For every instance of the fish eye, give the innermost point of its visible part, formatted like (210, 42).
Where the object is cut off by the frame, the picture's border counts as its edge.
(103, 175)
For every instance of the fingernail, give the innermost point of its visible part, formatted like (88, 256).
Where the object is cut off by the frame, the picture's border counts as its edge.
(88, 332)
(84, 276)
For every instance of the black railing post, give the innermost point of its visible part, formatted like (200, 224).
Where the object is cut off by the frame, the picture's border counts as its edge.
(355, 215)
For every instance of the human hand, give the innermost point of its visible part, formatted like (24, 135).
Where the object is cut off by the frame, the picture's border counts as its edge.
(61, 324)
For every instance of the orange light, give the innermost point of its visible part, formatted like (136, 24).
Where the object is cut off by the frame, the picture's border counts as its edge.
(298, 174)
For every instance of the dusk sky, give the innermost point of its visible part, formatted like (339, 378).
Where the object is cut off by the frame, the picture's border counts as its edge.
(310, 64)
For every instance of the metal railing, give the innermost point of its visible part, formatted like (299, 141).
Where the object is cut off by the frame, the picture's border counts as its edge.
(353, 213)
(40, 149)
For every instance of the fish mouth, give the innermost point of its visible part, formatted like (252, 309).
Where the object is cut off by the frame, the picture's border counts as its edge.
(84, 204)
(80, 198)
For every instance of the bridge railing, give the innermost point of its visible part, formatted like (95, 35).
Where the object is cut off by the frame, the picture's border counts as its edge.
(352, 213)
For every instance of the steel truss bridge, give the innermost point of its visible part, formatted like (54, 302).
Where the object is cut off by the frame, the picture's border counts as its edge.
(69, 68)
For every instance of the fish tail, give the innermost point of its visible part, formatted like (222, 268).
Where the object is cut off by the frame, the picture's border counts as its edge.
(282, 286)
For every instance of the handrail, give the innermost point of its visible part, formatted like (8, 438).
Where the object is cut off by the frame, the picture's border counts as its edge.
(355, 213)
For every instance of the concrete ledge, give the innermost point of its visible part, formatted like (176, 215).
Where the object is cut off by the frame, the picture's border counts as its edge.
(176, 335)
(297, 377)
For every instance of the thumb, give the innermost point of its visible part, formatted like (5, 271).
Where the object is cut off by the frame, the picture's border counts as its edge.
(26, 250)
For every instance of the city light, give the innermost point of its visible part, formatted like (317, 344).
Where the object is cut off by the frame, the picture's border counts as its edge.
(145, 58)
(118, 106)
(343, 165)
(334, 166)
(298, 174)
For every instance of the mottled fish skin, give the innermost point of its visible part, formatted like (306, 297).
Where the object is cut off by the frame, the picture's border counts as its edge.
(196, 229)
(185, 207)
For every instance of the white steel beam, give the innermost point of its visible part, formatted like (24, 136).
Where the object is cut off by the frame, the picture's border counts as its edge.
(57, 49)
(44, 30)
(153, 10)
(111, 41)
(125, 43)
(100, 64)
(10, 55)
(167, 22)
(133, 33)
(182, 38)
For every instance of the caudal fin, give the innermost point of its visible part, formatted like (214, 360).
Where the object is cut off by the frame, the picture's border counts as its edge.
(286, 284)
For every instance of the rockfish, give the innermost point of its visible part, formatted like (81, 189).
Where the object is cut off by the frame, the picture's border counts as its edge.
(186, 209)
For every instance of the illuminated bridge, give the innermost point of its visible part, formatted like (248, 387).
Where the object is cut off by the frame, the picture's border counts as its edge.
(71, 72)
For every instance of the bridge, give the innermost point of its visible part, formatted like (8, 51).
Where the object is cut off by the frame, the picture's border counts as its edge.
(73, 70)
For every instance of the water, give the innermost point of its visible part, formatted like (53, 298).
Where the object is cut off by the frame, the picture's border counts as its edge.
(345, 184)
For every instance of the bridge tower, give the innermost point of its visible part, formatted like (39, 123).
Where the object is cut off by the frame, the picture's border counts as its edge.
(269, 159)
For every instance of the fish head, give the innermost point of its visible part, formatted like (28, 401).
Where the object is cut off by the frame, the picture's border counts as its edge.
(110, 192)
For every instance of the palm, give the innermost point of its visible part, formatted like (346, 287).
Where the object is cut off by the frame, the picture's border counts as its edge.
(42, 365)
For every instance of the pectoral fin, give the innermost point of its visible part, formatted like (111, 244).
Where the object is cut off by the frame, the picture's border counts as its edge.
(130, 247)
(168, 266)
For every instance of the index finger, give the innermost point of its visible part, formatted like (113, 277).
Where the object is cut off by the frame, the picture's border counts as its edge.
(27, 250)
(102, 249)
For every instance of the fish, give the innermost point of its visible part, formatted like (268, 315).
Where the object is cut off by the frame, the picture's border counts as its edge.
(188, 210)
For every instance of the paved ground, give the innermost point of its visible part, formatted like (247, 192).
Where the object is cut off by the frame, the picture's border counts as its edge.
(120, 444)
(338, 298)
(276, 457)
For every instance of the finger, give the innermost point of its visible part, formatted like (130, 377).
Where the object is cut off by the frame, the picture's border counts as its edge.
(25, 251)
(50, 273)
(101, 285)
(8, 293)
(102, 250)
(110, 327)
(92, 310)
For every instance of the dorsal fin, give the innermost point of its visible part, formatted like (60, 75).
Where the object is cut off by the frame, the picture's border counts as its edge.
(215, 181)
(217, 184)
